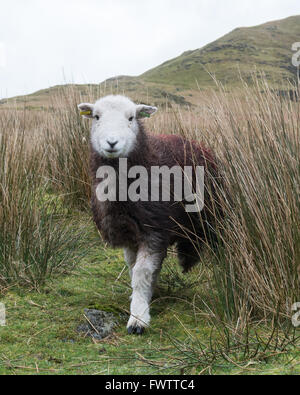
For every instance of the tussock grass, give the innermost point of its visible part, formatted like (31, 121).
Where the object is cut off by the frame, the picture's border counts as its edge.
(255, 135)
(36, 241)
(254, 275)
(246, 287)
(67, 141)
(259, 147)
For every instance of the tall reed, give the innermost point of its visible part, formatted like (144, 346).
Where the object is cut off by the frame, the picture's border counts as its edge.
(36, 240)
(255, 135)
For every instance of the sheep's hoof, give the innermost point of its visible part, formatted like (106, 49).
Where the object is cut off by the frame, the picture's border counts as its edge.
(136, 330)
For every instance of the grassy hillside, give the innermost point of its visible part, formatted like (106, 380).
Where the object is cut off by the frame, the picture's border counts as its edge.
(264, 49)
(267, 47)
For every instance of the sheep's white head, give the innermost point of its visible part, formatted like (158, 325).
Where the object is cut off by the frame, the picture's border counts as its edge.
(115, 124)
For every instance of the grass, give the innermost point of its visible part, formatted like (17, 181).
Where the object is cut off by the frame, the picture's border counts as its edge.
(232, 314)
(266, 47)
(36, 241)
(66, 140)
(41, 338)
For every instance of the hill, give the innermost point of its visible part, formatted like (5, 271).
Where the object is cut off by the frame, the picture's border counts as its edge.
(263, 49)
(266, 47)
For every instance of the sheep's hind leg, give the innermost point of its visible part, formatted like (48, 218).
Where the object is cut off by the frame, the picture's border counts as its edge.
(188, 255)
(144, 276)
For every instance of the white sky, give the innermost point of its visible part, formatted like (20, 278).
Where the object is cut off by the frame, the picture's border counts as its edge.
(49, 42)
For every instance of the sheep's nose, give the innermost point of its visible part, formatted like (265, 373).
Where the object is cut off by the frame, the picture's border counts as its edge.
(112, 143)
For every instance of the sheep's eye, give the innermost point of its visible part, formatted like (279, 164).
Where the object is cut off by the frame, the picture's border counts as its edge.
(130, 119)
(97, 117)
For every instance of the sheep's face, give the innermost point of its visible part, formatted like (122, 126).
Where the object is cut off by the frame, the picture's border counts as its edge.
(115, 124)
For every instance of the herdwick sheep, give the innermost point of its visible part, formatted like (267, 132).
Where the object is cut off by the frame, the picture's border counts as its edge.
(145, 229)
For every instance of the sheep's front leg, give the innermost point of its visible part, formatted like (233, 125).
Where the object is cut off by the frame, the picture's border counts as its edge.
(130, 258)
(144, 276)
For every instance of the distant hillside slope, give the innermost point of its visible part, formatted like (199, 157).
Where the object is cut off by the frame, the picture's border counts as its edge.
(265, 48)
(268, 47)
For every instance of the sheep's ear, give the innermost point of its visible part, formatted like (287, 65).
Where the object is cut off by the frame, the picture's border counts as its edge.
(143, 111)
(86, 110)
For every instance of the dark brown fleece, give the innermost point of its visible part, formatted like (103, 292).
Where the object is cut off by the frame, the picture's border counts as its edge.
(159, 224)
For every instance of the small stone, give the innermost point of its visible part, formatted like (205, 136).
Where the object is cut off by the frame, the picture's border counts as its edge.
(98, 325)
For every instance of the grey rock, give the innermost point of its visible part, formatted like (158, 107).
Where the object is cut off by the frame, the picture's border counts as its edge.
(99, 324)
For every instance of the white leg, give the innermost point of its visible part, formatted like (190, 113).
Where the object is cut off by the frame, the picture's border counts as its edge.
(130, 258)
(144, 276)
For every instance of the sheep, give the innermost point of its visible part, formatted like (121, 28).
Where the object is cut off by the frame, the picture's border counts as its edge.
(145, 229)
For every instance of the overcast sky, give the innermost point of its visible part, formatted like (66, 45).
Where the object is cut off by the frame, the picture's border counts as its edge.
(49, 42)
